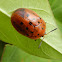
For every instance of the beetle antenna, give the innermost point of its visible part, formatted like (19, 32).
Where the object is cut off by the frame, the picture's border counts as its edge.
(51, 31)
(40, 44)
(46, 34)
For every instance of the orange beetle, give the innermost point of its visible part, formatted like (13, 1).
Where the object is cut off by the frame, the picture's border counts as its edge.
(28, 23)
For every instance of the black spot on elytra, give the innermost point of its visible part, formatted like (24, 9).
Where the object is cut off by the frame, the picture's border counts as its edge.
(27, 15)
(30, 23)
(37, 34)
(21, 23)
(33, 18)
(42, 36)
(27, 34)
(42, 28)
(26, 28)
(31, 32)
(39, 17)
(38, 22)
(13, 22)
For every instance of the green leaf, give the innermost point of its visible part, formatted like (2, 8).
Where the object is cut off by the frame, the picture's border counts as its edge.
(52, 43)
(14, 54)
(56, 6)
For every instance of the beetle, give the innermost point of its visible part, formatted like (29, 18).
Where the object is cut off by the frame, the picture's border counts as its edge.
(28, 23)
